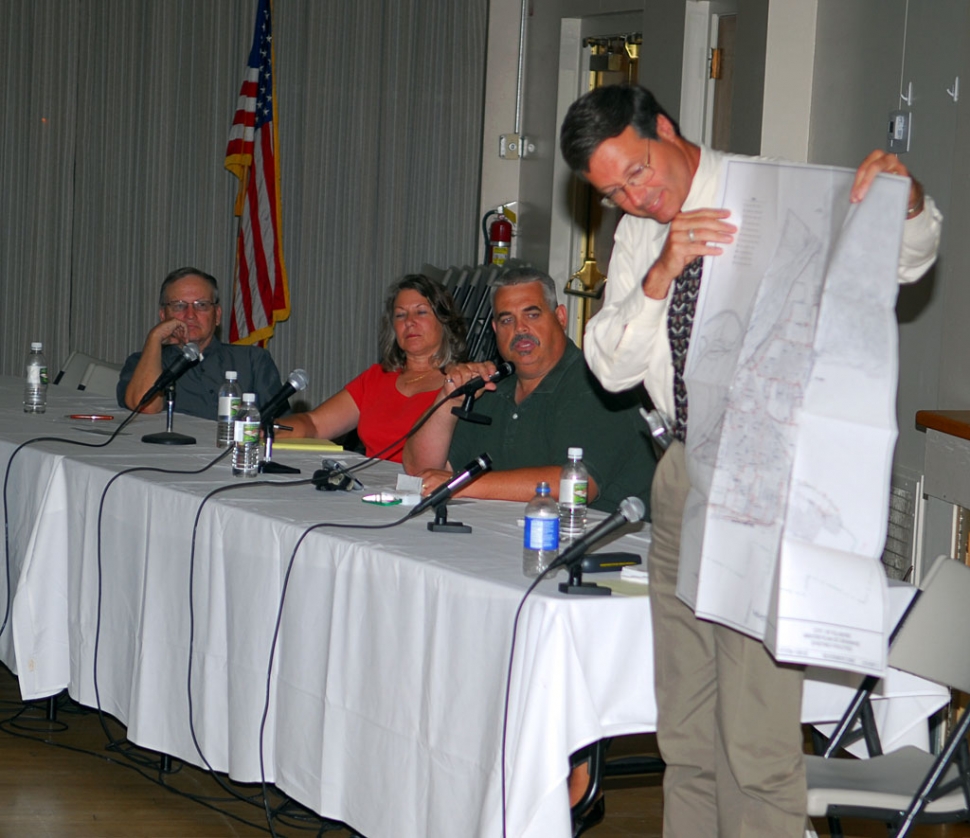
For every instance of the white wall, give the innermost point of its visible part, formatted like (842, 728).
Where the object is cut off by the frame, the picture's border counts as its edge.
(789, 62)
(529, 181)
(500, 177)
(866, 52)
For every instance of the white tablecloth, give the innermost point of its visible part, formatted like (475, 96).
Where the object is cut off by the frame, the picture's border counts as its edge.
(388, 684)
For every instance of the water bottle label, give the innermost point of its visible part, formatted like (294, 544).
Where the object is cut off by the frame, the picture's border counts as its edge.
(573, 492)
(228, 406)
(36, 376)
(542, 533)
(246, 432)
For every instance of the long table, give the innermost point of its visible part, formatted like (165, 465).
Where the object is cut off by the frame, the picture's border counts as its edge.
(386, 696)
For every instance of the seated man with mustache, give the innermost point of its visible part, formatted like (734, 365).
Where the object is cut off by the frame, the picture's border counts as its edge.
(552, 403)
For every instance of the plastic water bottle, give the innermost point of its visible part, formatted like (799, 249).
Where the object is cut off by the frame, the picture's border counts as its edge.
(245, 446)
(541, 544)
(229, 401)
(573, 495)
(35, 387)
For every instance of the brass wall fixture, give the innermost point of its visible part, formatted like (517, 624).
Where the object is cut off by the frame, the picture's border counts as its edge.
(613, 59)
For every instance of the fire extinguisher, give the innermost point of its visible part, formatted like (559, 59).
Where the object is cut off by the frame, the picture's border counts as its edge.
(499, 240)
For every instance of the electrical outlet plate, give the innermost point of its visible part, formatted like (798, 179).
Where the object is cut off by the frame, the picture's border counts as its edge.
(900, 130)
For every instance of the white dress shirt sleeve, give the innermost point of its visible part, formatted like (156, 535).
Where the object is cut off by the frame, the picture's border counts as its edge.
(921, 241)
(622, 341)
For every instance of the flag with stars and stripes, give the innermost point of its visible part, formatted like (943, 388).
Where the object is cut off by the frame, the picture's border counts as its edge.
(260, 294)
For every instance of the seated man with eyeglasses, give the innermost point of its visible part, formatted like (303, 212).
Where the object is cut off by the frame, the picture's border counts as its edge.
(189, 311)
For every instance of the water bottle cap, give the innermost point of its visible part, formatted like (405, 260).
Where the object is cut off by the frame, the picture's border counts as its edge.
(542, 488)
(575, 453)
(249, 397)
(36, 346)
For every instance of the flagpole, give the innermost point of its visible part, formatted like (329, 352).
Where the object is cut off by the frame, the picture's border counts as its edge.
(240, 197)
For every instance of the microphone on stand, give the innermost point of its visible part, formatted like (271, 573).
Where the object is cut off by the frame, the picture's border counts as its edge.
(296, 381)
(473, 470)
(190, 356)
(469, 388)
(503, 370)
(630, 511)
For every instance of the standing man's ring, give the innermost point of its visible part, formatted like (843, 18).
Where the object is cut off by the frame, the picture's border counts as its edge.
(690, 234)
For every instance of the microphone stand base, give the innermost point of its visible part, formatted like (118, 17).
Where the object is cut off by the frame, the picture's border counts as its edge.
(442, 524)
(272, 467)
(576, 585)
(449, 526)
(477, 418)
(584, 588)
(169, 438)
(468, 414)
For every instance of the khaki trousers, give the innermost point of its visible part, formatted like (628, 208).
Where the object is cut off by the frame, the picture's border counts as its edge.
(728, 716)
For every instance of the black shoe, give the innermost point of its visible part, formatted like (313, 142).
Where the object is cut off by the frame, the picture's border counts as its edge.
(593, 816)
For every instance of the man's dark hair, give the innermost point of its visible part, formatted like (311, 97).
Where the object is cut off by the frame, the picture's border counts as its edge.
(523, 276)
(604, 113)
(181, 273)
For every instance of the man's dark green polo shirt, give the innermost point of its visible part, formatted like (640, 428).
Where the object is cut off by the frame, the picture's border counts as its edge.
(568, 408)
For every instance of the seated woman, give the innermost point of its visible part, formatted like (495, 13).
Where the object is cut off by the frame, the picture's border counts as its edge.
(422, 331)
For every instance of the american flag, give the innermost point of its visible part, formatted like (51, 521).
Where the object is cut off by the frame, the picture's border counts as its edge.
(260, 294)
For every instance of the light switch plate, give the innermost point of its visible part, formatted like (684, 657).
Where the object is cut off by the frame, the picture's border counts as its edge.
(900, 130)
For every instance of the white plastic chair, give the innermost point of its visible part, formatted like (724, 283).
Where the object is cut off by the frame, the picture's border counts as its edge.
(73, 370)
(910, 786)
(100, 378)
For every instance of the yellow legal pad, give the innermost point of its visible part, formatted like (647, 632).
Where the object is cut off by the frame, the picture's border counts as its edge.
(623, 587)
(306, 445)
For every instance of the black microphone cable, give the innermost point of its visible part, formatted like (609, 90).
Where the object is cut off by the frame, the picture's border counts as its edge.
(553, 567)
(260, 800)
(6, 513)
(276, 632)
(279, 619)
(147, 767)
(22, 725)
(414, 429)
(508, 686)
(115, 745)
(350, 470)
(270, 815)
(6, 520)
(195, 527)
(100, 571)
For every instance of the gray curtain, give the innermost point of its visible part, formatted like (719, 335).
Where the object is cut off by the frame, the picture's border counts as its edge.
(117, 114)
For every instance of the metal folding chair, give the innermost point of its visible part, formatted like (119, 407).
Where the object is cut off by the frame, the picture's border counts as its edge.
(908, 786)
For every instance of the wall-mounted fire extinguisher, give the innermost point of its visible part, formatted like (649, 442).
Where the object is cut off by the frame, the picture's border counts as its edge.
(499, 239)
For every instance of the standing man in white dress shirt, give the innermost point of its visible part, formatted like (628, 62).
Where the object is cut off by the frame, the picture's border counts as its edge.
(728, 715)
